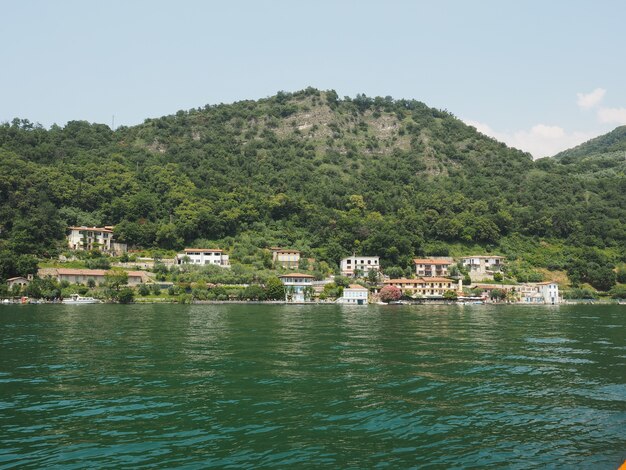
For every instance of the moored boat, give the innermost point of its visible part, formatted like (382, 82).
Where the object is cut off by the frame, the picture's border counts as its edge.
(76, 299)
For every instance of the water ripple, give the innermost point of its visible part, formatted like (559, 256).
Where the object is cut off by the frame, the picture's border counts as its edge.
(266, 386)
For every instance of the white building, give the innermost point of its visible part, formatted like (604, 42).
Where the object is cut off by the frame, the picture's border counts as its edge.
(94, 238)
(362, 265)
(285, 257)
(19, 281)
(482, 267)
(297, 286)
(528, 293)
(540, 292)
(203, 256)
(432, 267)
(354, 295)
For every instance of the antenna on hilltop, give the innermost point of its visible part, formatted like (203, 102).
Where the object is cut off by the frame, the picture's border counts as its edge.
(113, 123)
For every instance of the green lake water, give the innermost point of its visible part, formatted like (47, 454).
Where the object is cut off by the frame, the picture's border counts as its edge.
(253, 386)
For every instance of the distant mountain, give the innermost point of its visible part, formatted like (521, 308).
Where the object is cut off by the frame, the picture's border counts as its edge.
(614, 141)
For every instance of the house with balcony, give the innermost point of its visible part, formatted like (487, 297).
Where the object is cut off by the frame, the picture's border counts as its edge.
(285, 257)
(481, 268)
(539, 293)
(432, 267)
(359, 266)
(94, 238)
(426, 287)
(203, 256)
(298, 287)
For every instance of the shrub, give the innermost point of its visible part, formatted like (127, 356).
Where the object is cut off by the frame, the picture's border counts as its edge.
(618, 292)
(98, 263)
(579, 293)
(390, 294)
(126, 295)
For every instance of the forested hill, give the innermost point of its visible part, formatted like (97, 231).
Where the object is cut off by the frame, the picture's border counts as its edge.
(613, 142)
(306, 170)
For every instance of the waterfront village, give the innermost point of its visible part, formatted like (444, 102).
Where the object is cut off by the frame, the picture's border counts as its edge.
(358, 281)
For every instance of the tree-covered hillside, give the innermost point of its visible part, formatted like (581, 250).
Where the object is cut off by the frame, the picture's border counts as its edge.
(613, 142)
(307, 170)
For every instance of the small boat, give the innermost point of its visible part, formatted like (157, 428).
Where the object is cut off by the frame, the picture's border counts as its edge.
(76, 299)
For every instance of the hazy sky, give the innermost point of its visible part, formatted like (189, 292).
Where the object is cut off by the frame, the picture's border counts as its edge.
(539, 75)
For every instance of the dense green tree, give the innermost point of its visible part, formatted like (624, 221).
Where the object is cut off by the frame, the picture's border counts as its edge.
(618, 292)
(394, 272)
(274, 289)
(373, 276)
(450, 295)
(253, 292)
(43, 288)
(125, 296)
(498, 294)
(115, 279)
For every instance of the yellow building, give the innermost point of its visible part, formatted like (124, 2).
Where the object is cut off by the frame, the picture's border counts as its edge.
(431, 287)
(285, 257)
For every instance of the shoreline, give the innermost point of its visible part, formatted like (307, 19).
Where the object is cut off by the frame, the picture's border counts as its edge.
(161, 301)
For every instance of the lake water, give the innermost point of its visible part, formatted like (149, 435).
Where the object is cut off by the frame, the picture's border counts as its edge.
(251, 386)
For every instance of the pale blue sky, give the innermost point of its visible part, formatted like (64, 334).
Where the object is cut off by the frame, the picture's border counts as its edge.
(513, 69)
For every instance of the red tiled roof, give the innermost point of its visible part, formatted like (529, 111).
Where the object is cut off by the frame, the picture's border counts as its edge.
(437, 279)
(431, 261)
(137, 274)
(403, 281)
(297, 275)
(356, 286)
